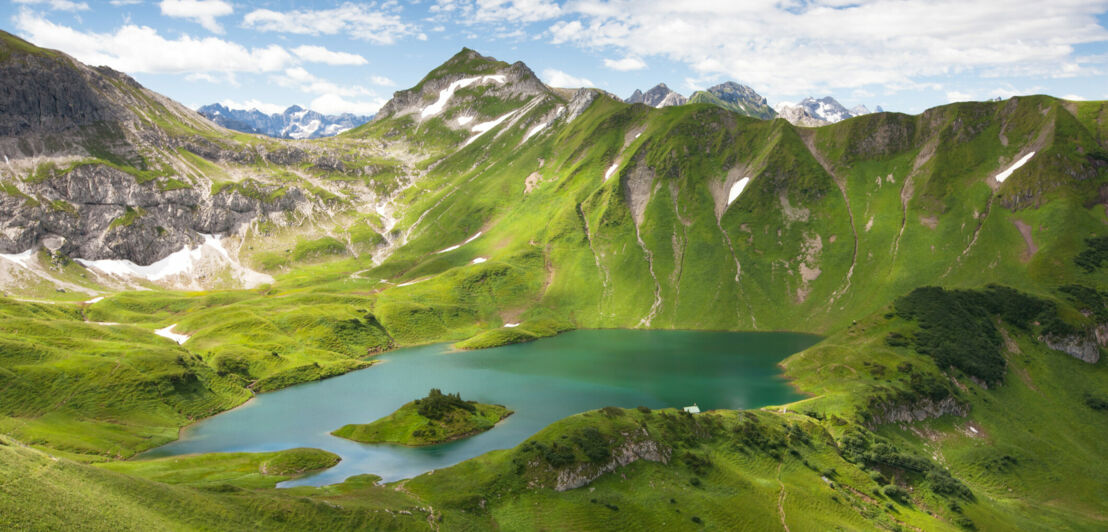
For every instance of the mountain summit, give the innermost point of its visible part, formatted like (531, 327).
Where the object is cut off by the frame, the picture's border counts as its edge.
(294, 123)
(657, 97)
(735, 97)
(818, 112)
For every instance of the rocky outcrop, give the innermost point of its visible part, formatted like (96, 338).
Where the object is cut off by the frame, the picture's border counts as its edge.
(1084, 347)
(97, 212)
(919, 410)
(579, 475)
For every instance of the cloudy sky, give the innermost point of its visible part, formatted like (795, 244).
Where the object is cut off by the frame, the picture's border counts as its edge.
(905, 55)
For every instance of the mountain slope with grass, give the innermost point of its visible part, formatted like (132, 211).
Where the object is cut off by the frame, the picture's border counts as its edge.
(952, 259)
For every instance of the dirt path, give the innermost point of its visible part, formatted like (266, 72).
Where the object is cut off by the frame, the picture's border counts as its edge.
(781, 499)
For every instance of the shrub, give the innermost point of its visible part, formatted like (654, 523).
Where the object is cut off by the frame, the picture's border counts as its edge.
(1096, 402)
(593, 444)
(896, 493)
(1094, 255)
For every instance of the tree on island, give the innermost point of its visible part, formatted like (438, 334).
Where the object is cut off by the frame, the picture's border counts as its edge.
(437, 404)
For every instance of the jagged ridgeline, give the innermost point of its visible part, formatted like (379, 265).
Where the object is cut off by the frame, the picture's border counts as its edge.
(484, 207)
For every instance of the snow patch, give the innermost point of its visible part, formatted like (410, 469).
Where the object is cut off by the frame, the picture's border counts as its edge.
(410, 283)
(96, 299)
(184, 262)
(463, 120)
(168, 333)
(611, 170)
(23, 259)
(1008, 173)
(484, 127)
(737, 189)
(479, 260)
(448, 92)
(456, 246)
(534, 131)
(510, 325)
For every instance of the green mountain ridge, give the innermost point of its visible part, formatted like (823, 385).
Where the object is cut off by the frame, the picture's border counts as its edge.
(572, 209)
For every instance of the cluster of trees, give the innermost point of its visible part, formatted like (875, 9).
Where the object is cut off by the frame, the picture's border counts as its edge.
(438, 405)
(956, 327)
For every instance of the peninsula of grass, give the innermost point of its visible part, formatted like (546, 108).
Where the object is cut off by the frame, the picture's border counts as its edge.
(437, 418)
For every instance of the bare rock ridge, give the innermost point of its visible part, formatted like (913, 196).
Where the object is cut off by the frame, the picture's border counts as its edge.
(658, 97)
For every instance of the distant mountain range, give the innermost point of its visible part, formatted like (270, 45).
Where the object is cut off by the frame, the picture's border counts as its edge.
(746, 101)
(295, 123)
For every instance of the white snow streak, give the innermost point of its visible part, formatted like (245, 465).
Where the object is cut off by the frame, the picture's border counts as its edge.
(448, 92)
(463, 120)
(1008, 173)
(510, 325)
(23, 259)
(479, 260)
(535, 131)
(611, 170)
(182, 262)
(456, 246)
(737, 189)
(168, 333)
(94, 300)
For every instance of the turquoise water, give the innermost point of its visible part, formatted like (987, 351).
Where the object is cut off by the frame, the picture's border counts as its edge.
(543, 381)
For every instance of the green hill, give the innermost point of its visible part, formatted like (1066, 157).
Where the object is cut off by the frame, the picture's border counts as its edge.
(437, 418)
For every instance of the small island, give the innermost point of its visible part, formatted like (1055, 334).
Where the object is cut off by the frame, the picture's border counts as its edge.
(437, 418)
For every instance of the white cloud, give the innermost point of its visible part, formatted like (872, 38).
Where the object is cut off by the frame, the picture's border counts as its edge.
(304, 81)
(382, 81)
(319, 54)
(140, 49)
(625, 64)
(804, 47)
(125, 2)
(364, 22)
(203, 12)
(1074, 98)
(333, 104)
(959, 96)
(56, 5)
(557, 78)
(476, 11)
(267, 108)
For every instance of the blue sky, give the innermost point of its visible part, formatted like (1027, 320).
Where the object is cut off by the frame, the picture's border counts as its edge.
(905, 55)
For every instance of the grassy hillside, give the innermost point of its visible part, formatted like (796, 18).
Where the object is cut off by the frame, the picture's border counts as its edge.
(932, 408)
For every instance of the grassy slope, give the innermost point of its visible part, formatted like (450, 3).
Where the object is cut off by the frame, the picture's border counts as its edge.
(242, 470)
(44, 492)
(407, 427)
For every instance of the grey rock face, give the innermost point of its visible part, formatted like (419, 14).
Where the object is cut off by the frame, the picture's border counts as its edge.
(42, 94)
(636, 97)
(917, 411)
(579, 475)
(1082, 347)
(87, 211)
